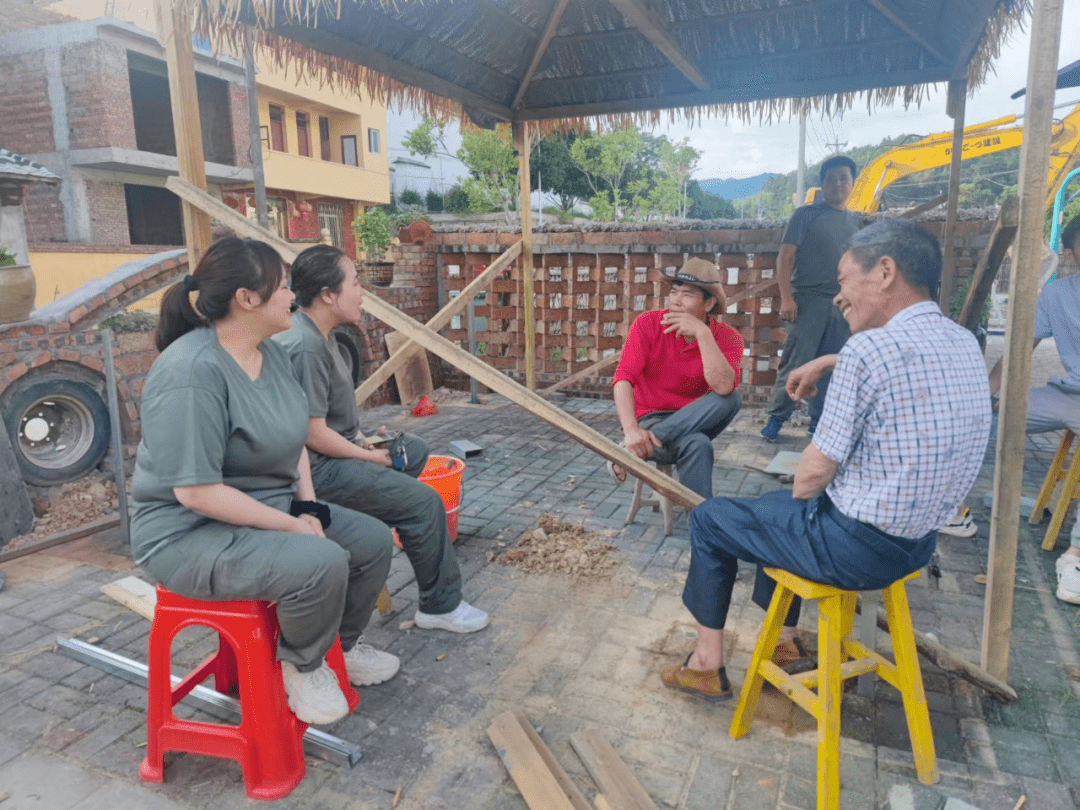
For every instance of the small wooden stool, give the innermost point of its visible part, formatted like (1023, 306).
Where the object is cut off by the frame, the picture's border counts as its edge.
(1069, 492)
(658, 503)
(836, 609)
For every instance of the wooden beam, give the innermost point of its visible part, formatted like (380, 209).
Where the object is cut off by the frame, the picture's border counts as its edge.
(1001, 239)
(541, 49)
(529, 762)
(174, 31)
(615, 781)
(955, 106)
(656, 31)
(973, 36)
(1020, 320)
(455, 306)
(896, 19)
(521, 143)
(600, 365)
(456, 356)
(929, 205)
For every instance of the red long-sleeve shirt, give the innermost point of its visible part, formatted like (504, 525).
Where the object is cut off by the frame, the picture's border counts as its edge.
(666, 371)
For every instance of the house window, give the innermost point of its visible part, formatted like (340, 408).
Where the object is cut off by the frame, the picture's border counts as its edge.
(348, 150)
(331, 218)
(324, 137)
(303, 137)
(373, 141)
(154, 216)
(277, 128)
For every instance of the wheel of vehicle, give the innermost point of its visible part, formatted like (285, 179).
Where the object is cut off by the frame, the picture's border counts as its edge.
(59, 429)
(346, 346)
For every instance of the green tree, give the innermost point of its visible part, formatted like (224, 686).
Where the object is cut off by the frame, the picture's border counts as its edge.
(492, 161)
(606, 160)
(704, 205)
(678, 161)
(552, 168)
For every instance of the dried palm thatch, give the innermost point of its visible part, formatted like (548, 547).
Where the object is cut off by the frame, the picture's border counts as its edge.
(574, 64)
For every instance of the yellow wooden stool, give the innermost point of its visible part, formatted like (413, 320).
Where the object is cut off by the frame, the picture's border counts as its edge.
(659, 502)
(836, 609)
(1069, 492)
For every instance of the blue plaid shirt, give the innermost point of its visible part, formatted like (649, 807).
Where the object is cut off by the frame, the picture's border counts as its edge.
(906, 418)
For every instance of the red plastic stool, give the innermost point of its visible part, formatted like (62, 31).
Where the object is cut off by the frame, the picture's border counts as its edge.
(267, 742)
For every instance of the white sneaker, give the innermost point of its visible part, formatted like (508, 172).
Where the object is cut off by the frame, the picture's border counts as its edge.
(462, 619)
(963, 525)
(1063, 562)
(367, 666)
(315, 697)
(1068, 589)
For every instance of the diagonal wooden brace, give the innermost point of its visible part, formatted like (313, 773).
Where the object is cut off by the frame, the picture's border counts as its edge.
(456, 356)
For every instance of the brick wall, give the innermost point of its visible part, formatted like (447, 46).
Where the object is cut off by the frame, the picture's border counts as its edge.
(108, 213)
(98, 96)
(44, 213)
(26, 125)
(590, 286)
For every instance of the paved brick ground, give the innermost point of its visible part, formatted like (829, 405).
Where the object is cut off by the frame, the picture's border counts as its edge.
(571, 653)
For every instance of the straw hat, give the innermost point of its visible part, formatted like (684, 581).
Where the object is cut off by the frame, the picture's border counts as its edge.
(702, 274)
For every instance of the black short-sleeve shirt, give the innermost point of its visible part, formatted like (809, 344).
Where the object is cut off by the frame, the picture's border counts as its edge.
(819, 233)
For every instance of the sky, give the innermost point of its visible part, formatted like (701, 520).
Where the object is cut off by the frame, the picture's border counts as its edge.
(733, 149)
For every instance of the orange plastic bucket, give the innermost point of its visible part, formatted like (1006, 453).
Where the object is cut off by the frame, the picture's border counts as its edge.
(443, 474)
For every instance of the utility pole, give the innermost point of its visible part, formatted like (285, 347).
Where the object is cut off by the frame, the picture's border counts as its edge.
(254, 131)
(837, 144)
(800, 183)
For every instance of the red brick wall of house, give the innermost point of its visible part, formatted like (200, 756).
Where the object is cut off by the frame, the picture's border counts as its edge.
(44, 213)
(108, 213)
(26, 124)
(98, 96)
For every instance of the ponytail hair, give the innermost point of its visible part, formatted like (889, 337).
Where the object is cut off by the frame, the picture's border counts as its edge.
(230, 264)
(316, 269)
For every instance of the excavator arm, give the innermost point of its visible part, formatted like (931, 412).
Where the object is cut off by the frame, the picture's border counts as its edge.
(979, 140)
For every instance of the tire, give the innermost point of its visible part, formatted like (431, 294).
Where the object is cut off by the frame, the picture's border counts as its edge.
(59, 430)
(346, 346)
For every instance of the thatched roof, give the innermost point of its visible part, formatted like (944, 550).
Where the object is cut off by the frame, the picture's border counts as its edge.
(625, 61)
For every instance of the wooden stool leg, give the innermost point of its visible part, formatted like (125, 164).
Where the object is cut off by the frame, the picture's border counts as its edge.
(1052, 476)
(909, 675)
(1068, 492)
(635, 502)
(830, 623)
(766, 643)
(666, 509)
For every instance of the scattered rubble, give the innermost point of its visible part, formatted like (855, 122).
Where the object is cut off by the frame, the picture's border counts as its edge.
(68, 506)
(556, 547)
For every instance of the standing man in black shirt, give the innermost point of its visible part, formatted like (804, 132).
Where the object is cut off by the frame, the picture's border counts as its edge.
(806, 270)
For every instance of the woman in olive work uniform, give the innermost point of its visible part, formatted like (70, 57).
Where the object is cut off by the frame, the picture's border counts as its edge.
(345, 469)
(224, 504)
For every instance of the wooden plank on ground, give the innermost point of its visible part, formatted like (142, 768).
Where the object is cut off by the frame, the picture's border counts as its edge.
(538, 785)
(569, 788)
(413, 379)
(615, 781)
(133, 593)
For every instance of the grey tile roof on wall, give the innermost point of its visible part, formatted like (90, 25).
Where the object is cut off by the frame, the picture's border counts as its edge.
(17, 167)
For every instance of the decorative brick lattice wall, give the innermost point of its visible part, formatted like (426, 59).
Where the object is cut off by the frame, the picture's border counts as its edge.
(591, 285)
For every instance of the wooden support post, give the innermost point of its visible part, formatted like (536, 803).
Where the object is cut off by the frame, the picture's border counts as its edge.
(982, 280)
(521, 143)
(1023, 293)
(174, 31)
(955, 108)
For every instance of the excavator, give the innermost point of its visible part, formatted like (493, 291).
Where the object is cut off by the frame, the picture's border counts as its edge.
(979, 140)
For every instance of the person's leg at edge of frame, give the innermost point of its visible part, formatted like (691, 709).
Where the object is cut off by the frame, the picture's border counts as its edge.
(804, 336)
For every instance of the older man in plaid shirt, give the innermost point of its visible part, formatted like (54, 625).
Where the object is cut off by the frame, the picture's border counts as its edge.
(899, 444)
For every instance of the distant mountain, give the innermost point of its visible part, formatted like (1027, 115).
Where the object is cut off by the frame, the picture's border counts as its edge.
(735, 188)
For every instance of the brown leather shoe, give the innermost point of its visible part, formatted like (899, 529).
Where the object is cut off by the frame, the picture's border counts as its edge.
(793, 658)
(713, 686)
